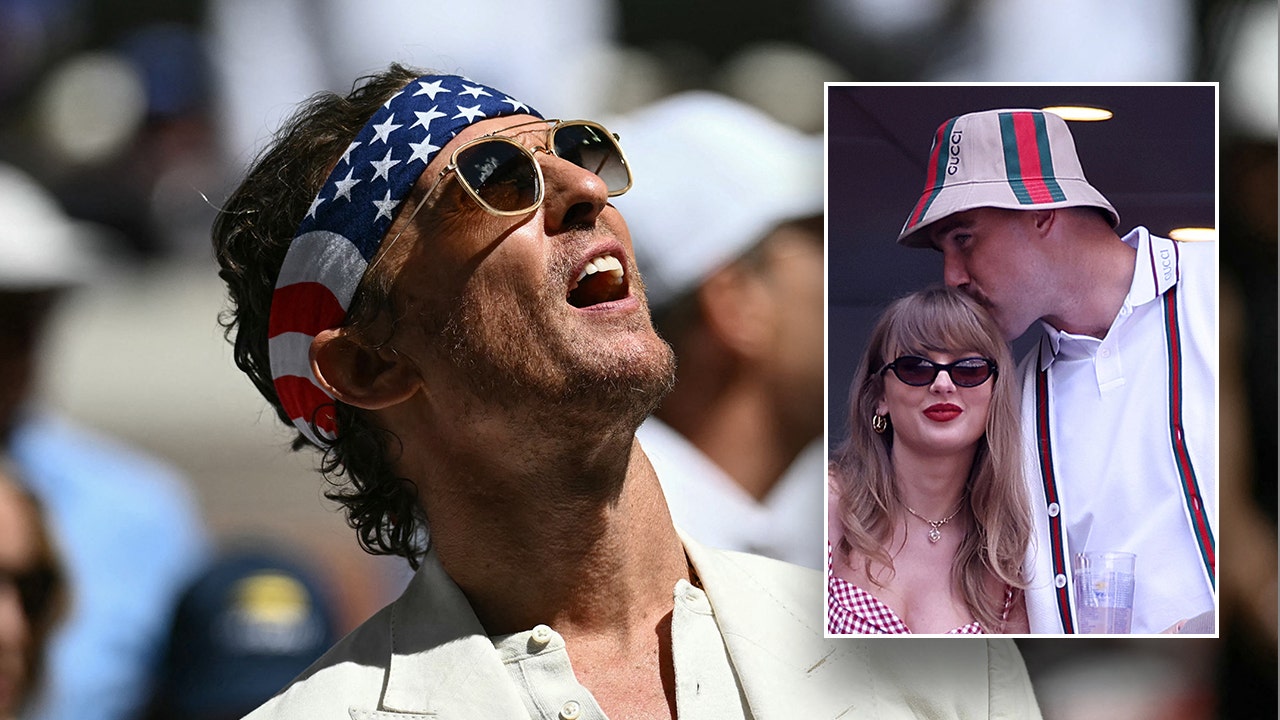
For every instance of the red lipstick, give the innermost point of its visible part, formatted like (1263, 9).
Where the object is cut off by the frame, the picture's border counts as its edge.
(942, 412)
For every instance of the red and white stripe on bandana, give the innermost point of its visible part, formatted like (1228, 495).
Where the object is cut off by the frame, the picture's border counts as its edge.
(344, 227)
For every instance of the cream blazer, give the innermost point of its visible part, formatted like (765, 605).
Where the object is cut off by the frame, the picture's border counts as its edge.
(427, 656)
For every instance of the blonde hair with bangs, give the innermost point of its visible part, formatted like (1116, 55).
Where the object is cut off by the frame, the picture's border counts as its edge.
(942, 320)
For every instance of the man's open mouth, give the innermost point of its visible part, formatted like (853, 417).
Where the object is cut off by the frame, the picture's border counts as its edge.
(602, 280)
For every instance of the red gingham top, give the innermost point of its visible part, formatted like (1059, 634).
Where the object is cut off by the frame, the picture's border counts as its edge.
(854, 611)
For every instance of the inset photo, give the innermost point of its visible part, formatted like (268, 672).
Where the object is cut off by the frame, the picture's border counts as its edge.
(1023, 369)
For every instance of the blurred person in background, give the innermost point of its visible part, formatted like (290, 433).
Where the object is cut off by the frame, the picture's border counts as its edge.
(478, 372)
(250, 622)
(127, 524)
(933, 425)
(1120, 394)
(731, 245)
(1008, 40)
(33, 594)
(140, 160)
(322, 44)
(1242, 53)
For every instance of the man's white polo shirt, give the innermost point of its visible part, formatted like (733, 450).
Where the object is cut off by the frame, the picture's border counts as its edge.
(1125, 457)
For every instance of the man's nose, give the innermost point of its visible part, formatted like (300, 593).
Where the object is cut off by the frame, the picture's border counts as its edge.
(574, 195)
(954, 273)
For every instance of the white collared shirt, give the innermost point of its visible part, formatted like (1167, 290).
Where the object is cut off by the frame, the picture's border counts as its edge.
(1118, 482)
(714, 509)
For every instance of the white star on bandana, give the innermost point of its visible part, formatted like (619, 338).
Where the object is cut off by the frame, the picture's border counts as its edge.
(311, 211)
(344, 185)
(431, 89)
(425, 118)
(381, 167)
(386, 206)
(423, 151)
(470, 113)
(346, 156)
(515, 104)
(473, 91)
(383, 131)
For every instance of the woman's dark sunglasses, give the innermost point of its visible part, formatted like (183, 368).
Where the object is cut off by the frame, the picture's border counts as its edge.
(965, 372)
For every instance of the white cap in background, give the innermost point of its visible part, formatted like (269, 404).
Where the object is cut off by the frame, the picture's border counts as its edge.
(41, 248)
(713, 177)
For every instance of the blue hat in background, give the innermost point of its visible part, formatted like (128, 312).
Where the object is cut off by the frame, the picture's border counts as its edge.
(247, 626)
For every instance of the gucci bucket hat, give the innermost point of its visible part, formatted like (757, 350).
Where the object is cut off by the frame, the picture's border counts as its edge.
(1015, 159)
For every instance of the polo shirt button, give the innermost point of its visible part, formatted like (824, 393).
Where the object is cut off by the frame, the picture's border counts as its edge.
(570, 710)
(1054, 509)
(1106, 353)
(541, 635)
(1059, 580)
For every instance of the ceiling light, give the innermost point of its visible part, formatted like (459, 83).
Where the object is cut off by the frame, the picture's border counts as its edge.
(1079, 113)
(1194, 234)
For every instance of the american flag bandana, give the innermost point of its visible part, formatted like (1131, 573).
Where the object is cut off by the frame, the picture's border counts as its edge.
(347, 220)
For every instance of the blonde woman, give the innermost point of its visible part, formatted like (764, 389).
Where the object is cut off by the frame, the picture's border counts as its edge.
(928, 521)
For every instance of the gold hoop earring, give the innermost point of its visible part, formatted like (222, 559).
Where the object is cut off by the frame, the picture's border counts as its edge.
(879, 423)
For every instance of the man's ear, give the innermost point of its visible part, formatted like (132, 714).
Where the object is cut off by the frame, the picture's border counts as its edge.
(366, 377)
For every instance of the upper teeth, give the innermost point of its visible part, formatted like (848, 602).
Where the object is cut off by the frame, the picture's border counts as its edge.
(604, 263)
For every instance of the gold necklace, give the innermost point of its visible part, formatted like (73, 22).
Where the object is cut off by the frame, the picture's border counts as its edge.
(935, 526)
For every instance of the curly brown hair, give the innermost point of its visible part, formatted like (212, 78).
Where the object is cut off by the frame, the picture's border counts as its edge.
(251, 236)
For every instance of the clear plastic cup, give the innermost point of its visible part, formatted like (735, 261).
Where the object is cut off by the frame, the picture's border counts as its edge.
(1104, 591)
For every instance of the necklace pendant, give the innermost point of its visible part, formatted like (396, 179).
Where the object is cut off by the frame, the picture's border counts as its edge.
(934, 535)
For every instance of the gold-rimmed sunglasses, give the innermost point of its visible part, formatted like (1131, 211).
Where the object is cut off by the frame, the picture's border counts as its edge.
(504, 177)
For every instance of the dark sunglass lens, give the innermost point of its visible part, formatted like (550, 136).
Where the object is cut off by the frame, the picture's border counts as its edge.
(971, 372)
(594, 149)
(500, 174)
(914, 370)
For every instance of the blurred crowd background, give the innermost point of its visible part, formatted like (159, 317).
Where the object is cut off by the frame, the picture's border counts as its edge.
(140, 116)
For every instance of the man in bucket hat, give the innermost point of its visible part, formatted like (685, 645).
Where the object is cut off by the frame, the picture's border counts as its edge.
(1119, 398)
(429, 283)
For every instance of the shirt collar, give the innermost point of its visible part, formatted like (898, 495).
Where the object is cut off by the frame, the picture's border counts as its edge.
(1156, 267)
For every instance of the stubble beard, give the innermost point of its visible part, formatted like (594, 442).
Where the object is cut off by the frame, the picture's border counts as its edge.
(522, 360)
